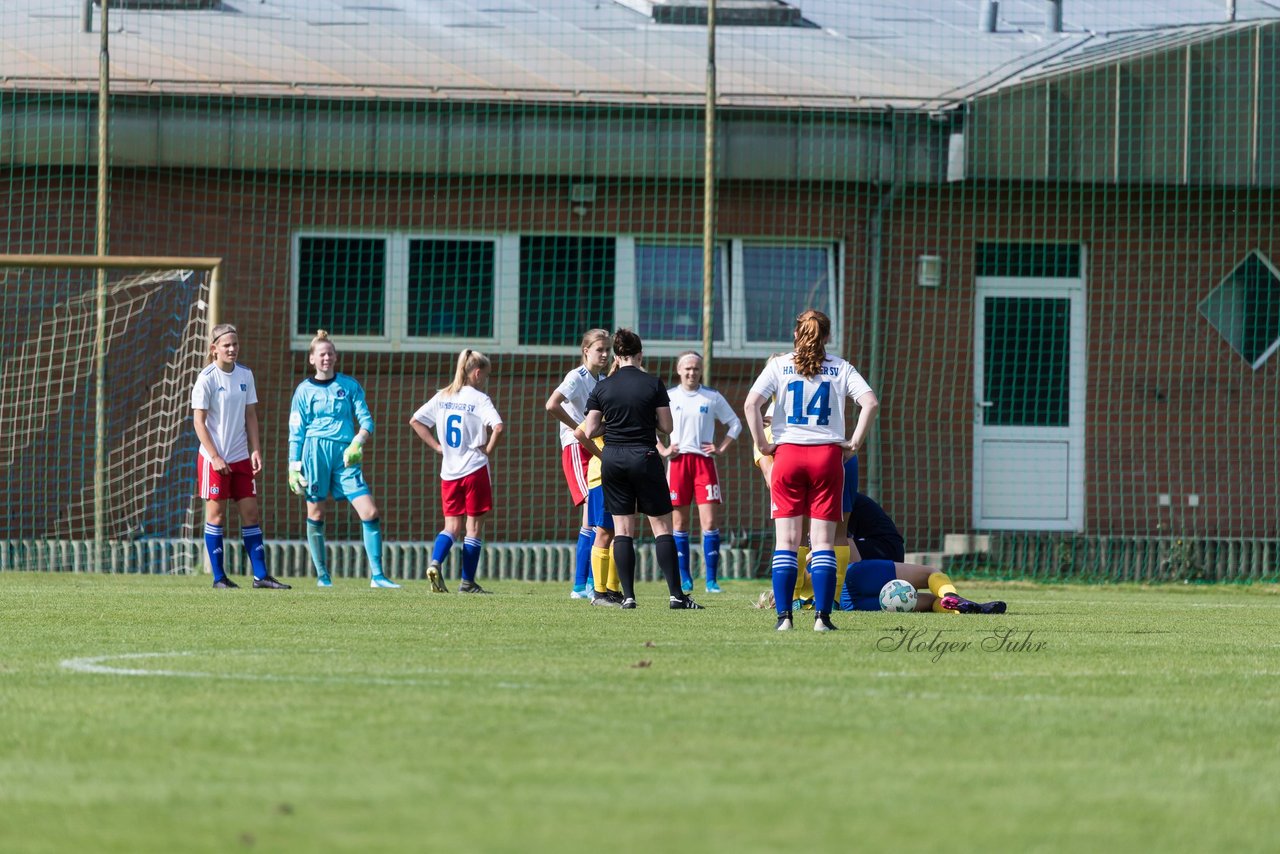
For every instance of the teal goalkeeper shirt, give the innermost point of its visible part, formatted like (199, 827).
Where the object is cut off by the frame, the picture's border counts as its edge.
(328, 409)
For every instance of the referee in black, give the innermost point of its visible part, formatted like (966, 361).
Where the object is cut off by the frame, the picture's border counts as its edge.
(633, 406)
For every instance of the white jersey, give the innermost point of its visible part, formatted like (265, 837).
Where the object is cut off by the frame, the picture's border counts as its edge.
(694, 415)
(460, 421)
(809, 411)
(576, 388)
(224, 397)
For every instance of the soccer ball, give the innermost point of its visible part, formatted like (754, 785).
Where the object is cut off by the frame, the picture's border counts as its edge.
(897, 595)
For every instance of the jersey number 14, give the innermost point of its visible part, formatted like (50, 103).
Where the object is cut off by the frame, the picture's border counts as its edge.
(818, 405)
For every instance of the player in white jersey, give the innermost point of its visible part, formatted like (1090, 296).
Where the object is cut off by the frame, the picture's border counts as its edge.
(224, 404)
(691, 470)
(567, 404)
(808, 446)
(466, 428)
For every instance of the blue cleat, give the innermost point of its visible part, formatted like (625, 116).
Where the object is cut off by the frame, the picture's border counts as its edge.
(584, 592)
(383, 581)
(686, 585)
(323, 581)
(712, 587)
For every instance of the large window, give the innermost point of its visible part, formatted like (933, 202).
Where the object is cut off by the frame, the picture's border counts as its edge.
(538, 293)
(340, 285)
(1245, 309)
(451, 289)
(566, 287)
(668, 292)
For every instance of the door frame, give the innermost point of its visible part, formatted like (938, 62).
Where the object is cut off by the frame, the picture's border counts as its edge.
(1074, 434)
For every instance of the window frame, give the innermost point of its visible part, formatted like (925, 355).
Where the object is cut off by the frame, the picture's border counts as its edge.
(506, 291)
(1265, 355)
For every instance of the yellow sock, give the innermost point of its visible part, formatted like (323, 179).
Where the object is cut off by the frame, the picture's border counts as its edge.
(804, 584)
(842, 566)
(940, 585)
(600, 568)
(614, 584)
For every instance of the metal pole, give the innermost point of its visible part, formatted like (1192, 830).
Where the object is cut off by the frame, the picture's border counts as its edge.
(709, 201)
(100, 343)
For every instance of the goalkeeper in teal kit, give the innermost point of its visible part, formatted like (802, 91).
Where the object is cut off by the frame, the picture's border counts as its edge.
(329, 423)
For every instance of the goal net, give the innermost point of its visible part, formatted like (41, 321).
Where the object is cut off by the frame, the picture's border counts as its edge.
(153, 345)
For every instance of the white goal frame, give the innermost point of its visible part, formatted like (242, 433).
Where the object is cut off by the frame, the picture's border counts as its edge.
(102, 263)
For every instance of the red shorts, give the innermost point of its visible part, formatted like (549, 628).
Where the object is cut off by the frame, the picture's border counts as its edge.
(575, 459)
(693, 479)
(808, 480)
(470, 495)
(215, 486)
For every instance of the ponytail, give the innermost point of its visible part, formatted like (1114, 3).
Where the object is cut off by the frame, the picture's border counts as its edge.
(468, 361)
(813, 329)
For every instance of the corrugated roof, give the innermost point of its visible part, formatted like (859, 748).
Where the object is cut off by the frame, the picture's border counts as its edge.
(859, 54)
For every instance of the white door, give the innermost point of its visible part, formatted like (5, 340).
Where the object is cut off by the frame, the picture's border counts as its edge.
(1028, 436)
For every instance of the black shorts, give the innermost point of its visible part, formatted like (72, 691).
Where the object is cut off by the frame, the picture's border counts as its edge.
(634, 480)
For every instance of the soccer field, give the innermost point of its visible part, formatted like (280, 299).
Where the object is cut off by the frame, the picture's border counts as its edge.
(154, 714)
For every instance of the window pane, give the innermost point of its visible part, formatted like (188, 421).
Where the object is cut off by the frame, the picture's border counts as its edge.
(451, 288)
(566, 288)
(1245, 309)
(1027, 370)
(780, 283)
(669, 293)
(340, 285)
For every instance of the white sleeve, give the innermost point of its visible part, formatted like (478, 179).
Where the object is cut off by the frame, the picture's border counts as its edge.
(725, 415)
(200, 393)
(426, 413)
(766, 385)
(251, 389)
(489, 413)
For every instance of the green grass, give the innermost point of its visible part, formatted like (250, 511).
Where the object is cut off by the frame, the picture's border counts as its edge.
(365, 720)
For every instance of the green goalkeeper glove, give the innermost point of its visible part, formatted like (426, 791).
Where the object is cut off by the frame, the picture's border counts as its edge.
(297, 483)
(353, 454)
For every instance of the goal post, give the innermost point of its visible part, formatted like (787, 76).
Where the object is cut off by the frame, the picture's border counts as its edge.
(60, 327)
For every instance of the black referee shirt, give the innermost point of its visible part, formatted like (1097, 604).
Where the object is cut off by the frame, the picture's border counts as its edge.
(629, 399)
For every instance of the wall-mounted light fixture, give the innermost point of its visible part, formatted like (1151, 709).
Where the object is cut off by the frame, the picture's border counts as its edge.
(929, 271)
(582, 196)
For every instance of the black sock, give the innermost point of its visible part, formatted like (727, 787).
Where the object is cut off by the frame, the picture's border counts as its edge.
(669, 563)
(624, 560)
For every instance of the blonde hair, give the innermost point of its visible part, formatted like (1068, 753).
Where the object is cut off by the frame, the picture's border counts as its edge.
(322, 337)
(693, 353)
(590, 337)
(468, 361)
(813, 328)
(217, 332)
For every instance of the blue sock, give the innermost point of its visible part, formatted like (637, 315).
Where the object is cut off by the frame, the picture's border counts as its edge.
(315, 544)
(785, 567)
(711, 554)
(582, 565)
(252, 537)
(440, 551)
(470, 557)
(682, 555)
(822, 568)
(373, 544)
(213, 544)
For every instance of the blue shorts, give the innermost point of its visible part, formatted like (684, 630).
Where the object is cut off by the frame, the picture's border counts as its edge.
(850, 483)
(326, 475)
(596, 517)
(862, 584)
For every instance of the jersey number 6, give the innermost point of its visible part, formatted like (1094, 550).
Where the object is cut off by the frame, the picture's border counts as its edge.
(453, 431)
